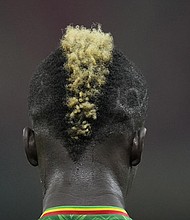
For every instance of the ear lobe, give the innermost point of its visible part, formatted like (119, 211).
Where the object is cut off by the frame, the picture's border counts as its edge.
(137, 147)
(30, 146)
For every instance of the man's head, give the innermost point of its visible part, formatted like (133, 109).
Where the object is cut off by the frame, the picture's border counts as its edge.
(86, 98)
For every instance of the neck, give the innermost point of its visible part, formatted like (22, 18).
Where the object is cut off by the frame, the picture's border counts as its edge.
(100, 178)
(83, 189)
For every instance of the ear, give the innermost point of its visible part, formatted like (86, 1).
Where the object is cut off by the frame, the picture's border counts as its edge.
(137, 147)
(30, 146)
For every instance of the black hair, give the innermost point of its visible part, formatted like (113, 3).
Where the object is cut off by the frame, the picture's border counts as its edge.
(121, 104)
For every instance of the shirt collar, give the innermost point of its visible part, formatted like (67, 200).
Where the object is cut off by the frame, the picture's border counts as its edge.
(84, 210)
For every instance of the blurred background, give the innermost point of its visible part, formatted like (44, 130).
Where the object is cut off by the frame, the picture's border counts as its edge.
(155, 35)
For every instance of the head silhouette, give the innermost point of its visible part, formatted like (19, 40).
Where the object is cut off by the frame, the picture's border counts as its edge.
(87, 104)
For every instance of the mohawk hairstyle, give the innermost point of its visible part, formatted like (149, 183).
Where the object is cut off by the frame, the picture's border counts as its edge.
(86, 90)
(88, 52)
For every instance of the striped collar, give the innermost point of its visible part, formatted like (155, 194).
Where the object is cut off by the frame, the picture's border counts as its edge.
(84, 210)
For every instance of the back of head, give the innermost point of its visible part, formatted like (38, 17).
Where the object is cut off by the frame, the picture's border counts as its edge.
(87, 90)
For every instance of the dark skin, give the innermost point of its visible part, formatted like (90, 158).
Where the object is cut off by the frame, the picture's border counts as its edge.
(102, 176)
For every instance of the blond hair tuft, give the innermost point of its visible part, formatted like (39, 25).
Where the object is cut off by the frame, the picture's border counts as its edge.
(88, 52)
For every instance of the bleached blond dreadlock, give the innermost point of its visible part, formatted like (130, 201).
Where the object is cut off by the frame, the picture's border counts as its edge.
(88, 52)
